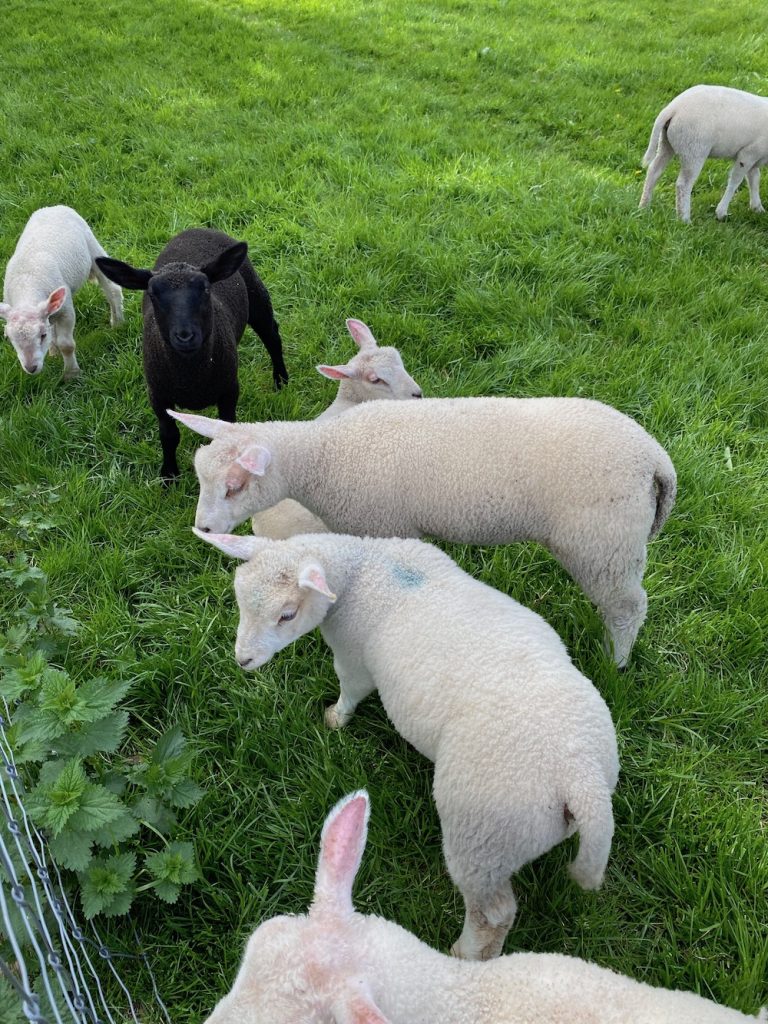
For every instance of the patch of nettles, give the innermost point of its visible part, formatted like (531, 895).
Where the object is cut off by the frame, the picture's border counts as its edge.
(106, 804)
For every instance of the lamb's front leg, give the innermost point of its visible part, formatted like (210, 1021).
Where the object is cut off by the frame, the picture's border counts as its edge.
(735, 178)
(169, 441)
(63, 328)
(355, 683)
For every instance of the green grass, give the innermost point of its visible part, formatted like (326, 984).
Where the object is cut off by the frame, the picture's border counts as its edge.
(477, 209)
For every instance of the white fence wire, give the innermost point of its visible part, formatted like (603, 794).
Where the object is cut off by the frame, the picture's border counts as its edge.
(33, 902)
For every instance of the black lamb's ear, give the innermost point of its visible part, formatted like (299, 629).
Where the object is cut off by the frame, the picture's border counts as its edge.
(123, 273)
(226, 263)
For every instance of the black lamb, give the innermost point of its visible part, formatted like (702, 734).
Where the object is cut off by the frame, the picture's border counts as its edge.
(200, 294)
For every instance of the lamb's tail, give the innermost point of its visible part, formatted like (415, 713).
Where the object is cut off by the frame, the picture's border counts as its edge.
(590, 805)
(659, 125)
(665, 489)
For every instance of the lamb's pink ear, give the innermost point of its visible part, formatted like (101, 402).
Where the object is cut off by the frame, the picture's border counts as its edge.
(230, 543)
(362, 334)
(338, 372)
(312, 576)
(358, 1009)
(236, 479)
(200, 424)
(255, 459)
(341, 850)
(54, 302)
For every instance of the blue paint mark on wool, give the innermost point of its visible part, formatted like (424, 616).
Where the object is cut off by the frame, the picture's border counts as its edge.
(408, 577)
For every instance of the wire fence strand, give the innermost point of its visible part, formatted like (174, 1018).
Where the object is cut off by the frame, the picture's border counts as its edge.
(33, 900)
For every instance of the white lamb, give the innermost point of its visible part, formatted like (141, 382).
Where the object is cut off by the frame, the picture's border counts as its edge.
(575, 475)
(333, 964)
(372, 374)
(54, 257)
(523, 744)
(709, 121)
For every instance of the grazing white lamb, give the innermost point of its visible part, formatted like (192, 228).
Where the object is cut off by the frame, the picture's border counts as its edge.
(375, 372)
(333, 964)
(575, 475)
(709, 121)
(54, 257)
(523, 744)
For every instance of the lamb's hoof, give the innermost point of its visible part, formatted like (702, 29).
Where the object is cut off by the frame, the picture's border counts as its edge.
(333, 719)
(168, 478)
(456, 951)
(115, 320)
(758, 209)
(720, 214)
(71, 373)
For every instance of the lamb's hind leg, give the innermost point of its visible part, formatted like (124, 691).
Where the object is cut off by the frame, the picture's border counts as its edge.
(612, 580)
(476, 846)
(487, 920)
(656, 168)
(690, 169)
(262, 320)
(623, 609)
(113, 293)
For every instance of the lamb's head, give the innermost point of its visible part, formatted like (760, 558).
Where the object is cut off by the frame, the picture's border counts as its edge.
(282, 593)
(374, 372)
(311, 969)
(236, 475)
(29, 330)
(180, 294)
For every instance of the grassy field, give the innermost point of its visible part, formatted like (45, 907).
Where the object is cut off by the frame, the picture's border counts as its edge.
(464, 177)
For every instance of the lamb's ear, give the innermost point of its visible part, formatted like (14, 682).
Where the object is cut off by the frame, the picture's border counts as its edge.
(357, 1007)
(341, 850)
(200, 424)
(54, 302)
(362, 334)
(123, 273)
(338, 372)
(255, 459)
(226, 263)
(231, 544)
(5, 310)
(312, 577)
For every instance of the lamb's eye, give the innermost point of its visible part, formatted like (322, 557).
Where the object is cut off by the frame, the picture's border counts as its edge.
(377, 380)
(287, 616)
(43, 336)
(234, 489)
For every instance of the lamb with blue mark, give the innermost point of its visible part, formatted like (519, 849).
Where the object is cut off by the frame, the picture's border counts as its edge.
(523, 744)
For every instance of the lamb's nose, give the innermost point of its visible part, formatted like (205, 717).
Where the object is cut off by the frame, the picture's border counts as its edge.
(205, 529)
(184, 336)
(244, 662)
(33, 368)
(418, 394)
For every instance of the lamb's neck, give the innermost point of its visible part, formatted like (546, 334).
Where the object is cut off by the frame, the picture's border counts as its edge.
(342, 558)
(26, 290)
(346, 399)
(298, 450)
(414, 981)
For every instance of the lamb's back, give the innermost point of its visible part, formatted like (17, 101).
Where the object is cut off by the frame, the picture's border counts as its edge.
(51, 250)
(447, 467)
(723, 119)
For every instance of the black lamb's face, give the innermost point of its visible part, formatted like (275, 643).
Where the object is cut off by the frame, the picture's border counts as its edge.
(182, 305)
